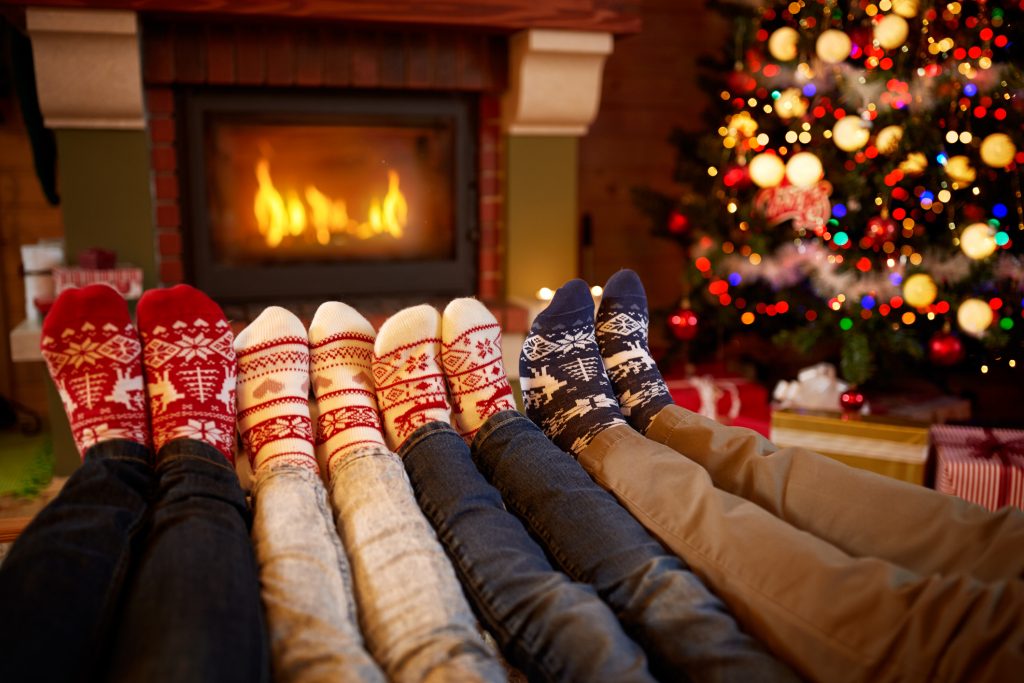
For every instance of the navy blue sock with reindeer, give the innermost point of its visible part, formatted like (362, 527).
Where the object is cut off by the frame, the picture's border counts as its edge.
(622, 322)
(565, 389)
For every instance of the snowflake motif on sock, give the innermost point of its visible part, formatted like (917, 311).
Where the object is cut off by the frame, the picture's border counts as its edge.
(276, 429)
(342, 419)
(201, 430)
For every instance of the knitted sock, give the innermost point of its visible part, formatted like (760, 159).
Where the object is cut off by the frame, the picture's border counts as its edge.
(410, 384)
(565, 389)
(190, 368)
(273, 391)
(622, 337)
(341, 353)
(471, 357)
(92, 352)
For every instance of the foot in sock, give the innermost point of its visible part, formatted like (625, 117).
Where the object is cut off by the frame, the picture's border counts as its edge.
(565, 389)
(341, 359)
(622, 322)
(273, 392)
(407, 373)
(94, 356)
(471, 357)
(190, 368)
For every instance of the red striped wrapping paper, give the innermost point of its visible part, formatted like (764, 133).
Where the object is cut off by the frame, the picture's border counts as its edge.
(127, 280)
(984, 466)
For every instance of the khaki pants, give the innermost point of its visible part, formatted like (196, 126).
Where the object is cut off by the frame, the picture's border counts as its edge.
(832, 615)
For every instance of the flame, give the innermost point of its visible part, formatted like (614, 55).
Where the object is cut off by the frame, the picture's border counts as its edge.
(290, 214)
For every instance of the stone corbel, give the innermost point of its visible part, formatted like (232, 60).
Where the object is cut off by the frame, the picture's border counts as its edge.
(88, 67)
(554, 81)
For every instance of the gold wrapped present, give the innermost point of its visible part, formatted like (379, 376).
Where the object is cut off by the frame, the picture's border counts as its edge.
(895, 448)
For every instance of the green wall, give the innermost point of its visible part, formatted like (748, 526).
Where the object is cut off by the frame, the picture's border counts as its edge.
(542, 213)
(105, 195)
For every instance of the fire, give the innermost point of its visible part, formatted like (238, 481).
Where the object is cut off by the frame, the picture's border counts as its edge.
(279, 216)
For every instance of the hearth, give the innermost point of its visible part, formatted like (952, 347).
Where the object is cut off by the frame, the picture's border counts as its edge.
(296, 194)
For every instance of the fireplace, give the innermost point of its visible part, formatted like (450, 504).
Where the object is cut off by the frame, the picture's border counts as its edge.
(311, 194)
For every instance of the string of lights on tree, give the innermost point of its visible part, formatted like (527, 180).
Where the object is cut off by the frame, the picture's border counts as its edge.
(862, 184)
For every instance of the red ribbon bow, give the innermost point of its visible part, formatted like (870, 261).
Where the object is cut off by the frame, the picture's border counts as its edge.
(991, 446)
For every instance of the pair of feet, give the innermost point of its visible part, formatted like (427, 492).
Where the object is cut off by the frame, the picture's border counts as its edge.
(177, 382)
(580, 376)
(421, 367)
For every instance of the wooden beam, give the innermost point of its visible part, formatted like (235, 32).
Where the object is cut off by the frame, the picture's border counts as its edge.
(612, 16)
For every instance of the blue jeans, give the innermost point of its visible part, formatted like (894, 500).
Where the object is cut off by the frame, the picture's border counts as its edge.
(548, 626)
(686, 631)
(136, 573)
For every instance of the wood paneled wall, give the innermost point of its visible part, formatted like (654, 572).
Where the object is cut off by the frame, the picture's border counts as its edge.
(650, 87)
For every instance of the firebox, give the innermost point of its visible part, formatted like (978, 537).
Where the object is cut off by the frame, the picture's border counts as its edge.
(329, 194)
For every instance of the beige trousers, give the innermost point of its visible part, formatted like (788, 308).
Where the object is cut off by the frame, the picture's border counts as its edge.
(833, 616)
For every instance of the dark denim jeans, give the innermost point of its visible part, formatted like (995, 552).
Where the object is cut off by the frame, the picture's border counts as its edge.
(548, 626)
(685, 630)
(136, 574)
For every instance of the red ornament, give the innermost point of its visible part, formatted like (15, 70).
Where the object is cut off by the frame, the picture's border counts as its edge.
(737, 176)
(678, 223)
(972, 213)
(879, 231)
(683, 323)
(851, 400)
(945, 348)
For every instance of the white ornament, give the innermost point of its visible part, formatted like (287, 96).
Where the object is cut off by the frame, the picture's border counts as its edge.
(978, 241)
(804, 169)
(891, 32)
(833, 46)
(997, 150)
(959, 170)
(766, 170)
(783, 43)
(906, 8)
(790, 104)
(974, 317)
(888, 139)
(850, 133)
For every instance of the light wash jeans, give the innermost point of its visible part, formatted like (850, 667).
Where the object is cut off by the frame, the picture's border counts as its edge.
(416, 620)
(306, 582)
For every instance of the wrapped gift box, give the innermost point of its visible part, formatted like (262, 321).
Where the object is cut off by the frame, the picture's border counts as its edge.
(127, 280)
(731, 400)
(984, 466)
(898, 449)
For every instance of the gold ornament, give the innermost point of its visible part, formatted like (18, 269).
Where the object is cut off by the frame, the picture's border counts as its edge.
(919, 290)
(997, 150)
(914, 164)
(783, 43)
(960, 171)
(906, 8)
(888, 139)
(850, 133)
(804, 169)
(766, 170)
(978, 241)
(790, 104)
(891, 32)
(833, 46)
(974, 317)
(742, 125)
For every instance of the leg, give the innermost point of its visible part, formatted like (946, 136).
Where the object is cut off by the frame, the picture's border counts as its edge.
(63, 579)
(304, 574)
(685, 630)
(873, 515)
(550, 627)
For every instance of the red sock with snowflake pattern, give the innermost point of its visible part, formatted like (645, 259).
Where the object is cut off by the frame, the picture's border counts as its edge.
(341, 355)
(93, 354)
(471, 358)
(190, 368)
(407, 373)
(273, 392)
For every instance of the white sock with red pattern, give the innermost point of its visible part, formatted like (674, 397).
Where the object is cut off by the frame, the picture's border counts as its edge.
(273, 391)
(406, 371)
(341, 356)
(190, 368)
(93, 354)
(471, 358)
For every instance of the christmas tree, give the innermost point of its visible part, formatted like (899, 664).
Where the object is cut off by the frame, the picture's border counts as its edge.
(859, 188)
